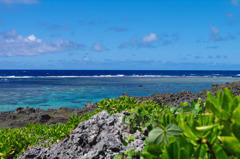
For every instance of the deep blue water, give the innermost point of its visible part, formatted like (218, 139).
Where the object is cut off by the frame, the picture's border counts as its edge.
(107, 73)
(74, 88)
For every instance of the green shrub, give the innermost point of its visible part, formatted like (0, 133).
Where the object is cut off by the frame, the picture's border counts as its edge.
(15, 141)
(204, 135)
(192, 130)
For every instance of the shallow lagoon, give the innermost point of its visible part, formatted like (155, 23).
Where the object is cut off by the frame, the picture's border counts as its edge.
(53, 93)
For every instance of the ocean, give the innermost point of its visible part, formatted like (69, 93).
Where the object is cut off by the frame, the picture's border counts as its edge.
(74, 88)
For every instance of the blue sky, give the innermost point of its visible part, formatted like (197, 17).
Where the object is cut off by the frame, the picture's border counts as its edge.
(120, 34)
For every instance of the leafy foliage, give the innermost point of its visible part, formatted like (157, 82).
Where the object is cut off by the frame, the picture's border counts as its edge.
(15, 141)
(196, 130)
(160, 135)
(209, 130)
(116, 106)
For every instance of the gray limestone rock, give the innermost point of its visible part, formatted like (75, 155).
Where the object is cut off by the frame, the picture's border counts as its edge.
(99, 137)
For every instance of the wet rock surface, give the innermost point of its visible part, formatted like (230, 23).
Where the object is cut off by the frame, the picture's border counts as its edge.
(23, 116)
(97, 138)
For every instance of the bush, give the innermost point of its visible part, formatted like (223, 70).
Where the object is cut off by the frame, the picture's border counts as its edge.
(212, 132)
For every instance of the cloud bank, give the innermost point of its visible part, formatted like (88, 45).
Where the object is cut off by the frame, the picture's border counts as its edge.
(14, 44)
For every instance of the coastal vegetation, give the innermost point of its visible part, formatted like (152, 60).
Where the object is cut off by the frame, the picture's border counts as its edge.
(199, 130)
(192, 130)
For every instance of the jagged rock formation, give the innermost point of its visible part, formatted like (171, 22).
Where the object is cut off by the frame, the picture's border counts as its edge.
(97, 138)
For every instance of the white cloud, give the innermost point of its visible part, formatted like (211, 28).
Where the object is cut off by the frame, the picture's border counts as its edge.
(131, 43)
(32, 38)
(10, 33)
(86, 59)
(13, 44)
(148, 60)
(98, 47)
(151, 41)
(216, 37)
(19, 1)
(235, 2)
(213, 29)
(149, 38)
(214, 33)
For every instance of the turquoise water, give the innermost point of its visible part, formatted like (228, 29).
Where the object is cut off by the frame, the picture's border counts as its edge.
(53, 93)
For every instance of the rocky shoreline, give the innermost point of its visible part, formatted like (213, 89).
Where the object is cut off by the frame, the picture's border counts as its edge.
(22, 116)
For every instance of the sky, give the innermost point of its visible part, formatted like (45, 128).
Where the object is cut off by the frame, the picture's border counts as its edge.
(120, 34)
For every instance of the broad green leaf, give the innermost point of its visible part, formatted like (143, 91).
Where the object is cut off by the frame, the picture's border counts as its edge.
(184, 104)
(186, 148)
(219, 97)
(172, 148)
(236, 115)
(212, 104)
(185, 153)
(154, 149)
(226, 131)
(224, 115)
(159, 135)
(146, 155)
(129, 153)
(235, 103)
(201, 151)
(173, 109)
(231, 144)
(197, 106)
(156, 136)
(219, 152)
(227, 100)
(236, 130)
(187, 131)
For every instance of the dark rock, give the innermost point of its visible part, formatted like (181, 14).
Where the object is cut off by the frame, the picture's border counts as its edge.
(19, 109)
(173, 99)
(12, 116)
(90, 105)
(98, 137)
(23, 116)
(140, 85)
(29, 110)
(38, 110)
(42, 118)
